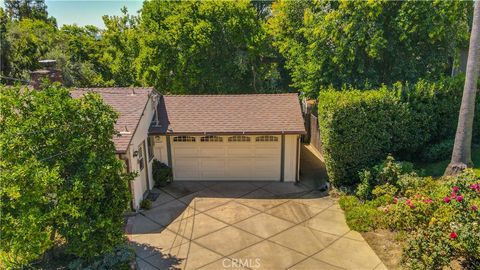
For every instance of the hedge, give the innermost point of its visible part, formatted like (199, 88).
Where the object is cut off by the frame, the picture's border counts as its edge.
(359, 128)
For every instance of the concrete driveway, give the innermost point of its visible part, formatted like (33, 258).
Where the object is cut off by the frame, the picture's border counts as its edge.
(247, 225)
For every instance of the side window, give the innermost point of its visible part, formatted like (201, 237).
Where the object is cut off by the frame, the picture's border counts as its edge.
(239, 138)
(150, 144)
(183, 139)
(211, 139)
(266, 138)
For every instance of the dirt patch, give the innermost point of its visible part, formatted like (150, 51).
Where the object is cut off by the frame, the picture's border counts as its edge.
(388, 249)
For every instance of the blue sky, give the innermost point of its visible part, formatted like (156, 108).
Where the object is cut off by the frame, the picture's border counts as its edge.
(87, 11)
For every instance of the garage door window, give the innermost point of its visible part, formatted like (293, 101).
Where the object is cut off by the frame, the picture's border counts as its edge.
(239, 138)
(211, 139)
(266, 139)
(183, 139)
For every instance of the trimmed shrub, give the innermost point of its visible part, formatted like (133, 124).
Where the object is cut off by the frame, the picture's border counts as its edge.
(162, 173)
(359, 128)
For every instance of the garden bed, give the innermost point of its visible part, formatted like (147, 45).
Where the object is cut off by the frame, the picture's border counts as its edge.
(416, 222)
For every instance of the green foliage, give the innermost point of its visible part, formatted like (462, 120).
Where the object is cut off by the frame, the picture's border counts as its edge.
(359, 128)
(120, 258)
(28, 40)
(146, 204)
(60, 176)
(162, 173)
(438, 151)
(438, 217)
(203, 47)
(368, 43)
(28, 9)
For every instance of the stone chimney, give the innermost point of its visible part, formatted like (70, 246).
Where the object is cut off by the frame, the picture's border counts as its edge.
(48, 71)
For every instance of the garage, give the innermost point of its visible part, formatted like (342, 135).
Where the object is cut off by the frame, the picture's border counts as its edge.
(235, 157)
(229, 137)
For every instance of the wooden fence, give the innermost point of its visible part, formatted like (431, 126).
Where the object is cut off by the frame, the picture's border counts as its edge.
(315, 139)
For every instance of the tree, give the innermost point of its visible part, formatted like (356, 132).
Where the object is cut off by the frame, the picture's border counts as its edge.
(28, 40)
(364, 44)
(59, 176)
(28, 9)
(120, 49)
(202, 47)
(461, 155)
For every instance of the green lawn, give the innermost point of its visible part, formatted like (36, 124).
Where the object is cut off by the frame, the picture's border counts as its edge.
(436, 169)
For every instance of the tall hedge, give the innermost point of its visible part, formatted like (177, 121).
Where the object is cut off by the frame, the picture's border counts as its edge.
(359, 128)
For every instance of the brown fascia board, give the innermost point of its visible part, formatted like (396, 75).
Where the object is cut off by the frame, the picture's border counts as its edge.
(230, 133)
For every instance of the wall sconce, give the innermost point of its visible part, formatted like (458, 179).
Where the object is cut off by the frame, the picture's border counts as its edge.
(135, 153)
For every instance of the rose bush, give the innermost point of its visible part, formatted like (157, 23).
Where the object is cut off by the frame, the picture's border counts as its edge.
(439, 218)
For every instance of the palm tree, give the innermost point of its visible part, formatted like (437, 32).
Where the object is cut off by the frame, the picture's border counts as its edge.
(461, 155)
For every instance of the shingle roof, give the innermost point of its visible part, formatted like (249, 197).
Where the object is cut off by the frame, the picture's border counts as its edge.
(230, 114)
(129, 102)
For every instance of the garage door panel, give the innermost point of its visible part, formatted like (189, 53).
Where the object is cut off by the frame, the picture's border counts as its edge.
(211, 151)
(226, 161)
(267, 151)
(185, 168)
(240, 151)
(240, 168)
(186, 151)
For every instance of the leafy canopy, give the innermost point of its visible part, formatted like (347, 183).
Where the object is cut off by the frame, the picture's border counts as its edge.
(366, 43)
(60, 178)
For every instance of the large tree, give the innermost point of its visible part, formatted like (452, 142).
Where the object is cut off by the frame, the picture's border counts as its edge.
(461, 155)
(60, 179)
(368, 43)
(203, 47)
(28, 9)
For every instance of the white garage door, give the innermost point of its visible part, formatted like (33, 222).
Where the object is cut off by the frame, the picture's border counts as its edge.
(226, 157)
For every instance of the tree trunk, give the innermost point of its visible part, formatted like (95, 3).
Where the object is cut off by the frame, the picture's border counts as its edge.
(461, 155)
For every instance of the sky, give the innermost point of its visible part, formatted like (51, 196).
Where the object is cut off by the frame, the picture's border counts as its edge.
(87, 11)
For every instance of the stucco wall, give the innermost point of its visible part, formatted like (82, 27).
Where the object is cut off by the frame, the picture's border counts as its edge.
(160, 149)
(139, 185)
(290, 165)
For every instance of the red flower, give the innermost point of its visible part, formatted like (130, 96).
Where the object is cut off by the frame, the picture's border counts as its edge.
(459, 198)
(453, 235)
(427, 201)
(446, 200)
(410, 204)
(455, 189)
(474, 208)
(395, 200)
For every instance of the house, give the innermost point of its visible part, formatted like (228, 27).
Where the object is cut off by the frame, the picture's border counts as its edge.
(253, 137)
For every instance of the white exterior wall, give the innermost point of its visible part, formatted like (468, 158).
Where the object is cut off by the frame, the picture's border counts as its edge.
(290, 164)
(138, 185)
(160, 149)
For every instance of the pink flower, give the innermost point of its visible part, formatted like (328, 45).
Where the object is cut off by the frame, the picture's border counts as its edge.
(455, 189)
(453, 195)
(446, 200)
(474, 186)
(459, 198)
(410, 204)
(453, 235)
(386, 209)
(395, 200)
(474, 208)
(427, 201)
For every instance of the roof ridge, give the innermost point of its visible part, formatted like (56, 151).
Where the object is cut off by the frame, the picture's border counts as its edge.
(230, 95)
